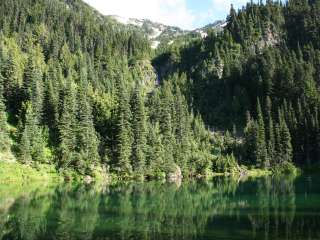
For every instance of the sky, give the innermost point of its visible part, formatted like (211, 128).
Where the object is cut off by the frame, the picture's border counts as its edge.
(186, 14)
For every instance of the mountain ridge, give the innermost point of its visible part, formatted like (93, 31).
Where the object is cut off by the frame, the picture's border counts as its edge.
(159, 33)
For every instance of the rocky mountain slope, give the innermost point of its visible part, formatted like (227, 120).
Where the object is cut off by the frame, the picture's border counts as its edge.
(160, 33)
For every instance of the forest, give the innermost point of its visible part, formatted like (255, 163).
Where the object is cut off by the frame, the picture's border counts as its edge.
(88, 95)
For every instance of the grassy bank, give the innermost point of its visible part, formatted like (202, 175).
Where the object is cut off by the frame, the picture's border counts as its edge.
(13, 172)
(20, 174)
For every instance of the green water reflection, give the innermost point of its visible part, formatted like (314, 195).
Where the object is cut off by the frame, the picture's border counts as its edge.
(266, 208)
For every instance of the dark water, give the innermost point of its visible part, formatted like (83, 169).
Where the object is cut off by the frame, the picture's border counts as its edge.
(266, 208)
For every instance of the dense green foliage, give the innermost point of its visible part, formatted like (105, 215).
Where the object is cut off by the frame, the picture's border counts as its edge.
(4, 134)
(81, 94)
(265, 61)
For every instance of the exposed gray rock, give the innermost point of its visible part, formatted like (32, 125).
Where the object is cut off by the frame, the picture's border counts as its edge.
(175, 175)
(88, 179)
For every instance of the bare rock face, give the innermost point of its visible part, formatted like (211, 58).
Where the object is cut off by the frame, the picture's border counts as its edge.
(88, 179)
(175, 175)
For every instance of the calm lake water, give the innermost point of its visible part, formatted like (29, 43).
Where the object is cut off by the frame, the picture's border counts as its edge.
(266, 208)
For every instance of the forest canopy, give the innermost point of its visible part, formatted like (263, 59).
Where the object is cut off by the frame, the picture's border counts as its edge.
(87, 95)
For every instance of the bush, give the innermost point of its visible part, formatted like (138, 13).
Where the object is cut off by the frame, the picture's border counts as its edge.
(285, 168)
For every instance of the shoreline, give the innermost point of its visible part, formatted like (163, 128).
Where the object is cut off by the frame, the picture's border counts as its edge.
(17, 173)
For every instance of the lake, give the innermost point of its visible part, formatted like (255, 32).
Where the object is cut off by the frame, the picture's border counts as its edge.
(224, 208)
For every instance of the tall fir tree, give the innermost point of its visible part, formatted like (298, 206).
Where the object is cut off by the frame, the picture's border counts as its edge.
(139, 128)
(278, 146)
(52, 93)
(33, 86)
(12, 81)
(67, 126)
(182, 131)
(123, 131)
(261, 148)
(271, 142)
(87, 144)
(285, 141)
(250, 136)
(4, 132)
(155, 153)
(166, 126)
(32, 143)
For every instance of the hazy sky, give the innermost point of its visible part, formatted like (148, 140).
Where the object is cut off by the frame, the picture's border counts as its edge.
(187, 14)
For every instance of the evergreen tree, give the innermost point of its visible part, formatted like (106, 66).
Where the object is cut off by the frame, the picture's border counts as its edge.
(87, 144)
(52, 104)
(250, 133)
(12, 82)
(278, 146)
(139, 132)
(182, 131)
(155, 154)
(271, 142)
(32, 144)
(200, 161)
(67, 127)
(166, 127)
(285, 141)
(33, 85)
(24, 153)
(123, 131)
(4, 132)
(261, 148)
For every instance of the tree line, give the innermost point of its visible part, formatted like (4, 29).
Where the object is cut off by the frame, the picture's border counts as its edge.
(260, 75)
(77, 92)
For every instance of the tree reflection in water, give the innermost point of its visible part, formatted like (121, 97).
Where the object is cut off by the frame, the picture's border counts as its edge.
(225, 208)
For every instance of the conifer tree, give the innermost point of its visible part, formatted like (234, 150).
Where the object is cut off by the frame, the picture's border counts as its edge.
(285, 141)
(166, 126)
(271, 142)
(278, 147)
(123, 131)
(200, 161)
(182, 131)
(261, 148)
(4, 133)
(12, 81)
(87, 143)
(32, 144)
(155, 154)
(67, 126)
(24, 154)
(33, 86)
(139, 132)
(52, 103)
(250, 134)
